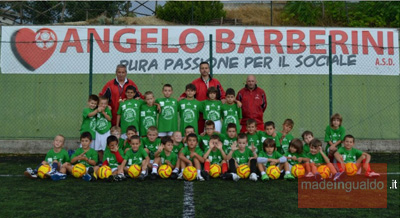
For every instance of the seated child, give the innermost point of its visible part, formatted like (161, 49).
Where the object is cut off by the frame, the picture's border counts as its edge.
(215, 155)
(192, 155)
(113, 158)
(318, 157)
(164, 155)
(56, 157)
(209, 131)
(150, 144)
(269, 133)
(295, 155)
(334, 135)
(136, 155)
(307, 137)
(349, 154)
(253, 136)
(284, 136)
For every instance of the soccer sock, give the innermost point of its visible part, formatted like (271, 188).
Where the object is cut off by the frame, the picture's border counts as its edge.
(253, 165)
(332, 168)
(144, 172)
(341, 166)
(207, 166)
(224, 168)
(287, 172)
(198, 172)
(176, 170)
(262, 173)
(307, 166)
(155, 166)
(54, 166)
(232, 166)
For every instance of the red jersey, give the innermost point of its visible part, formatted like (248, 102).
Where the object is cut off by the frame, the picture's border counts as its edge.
(254, 103)
(201, 88)
(113, 91)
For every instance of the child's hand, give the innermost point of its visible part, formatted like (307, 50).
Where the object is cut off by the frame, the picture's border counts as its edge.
(219, 145)
(234, 146)
(109, 107)
(168, 162)
(252, 148)
(211, 145)
(273, 162)
(239, 104)
(283, 134)
(294, 158)
(203, 134)
(115, 149)
(192, 154)
(160, 148)
(300, 159)
(274, 134)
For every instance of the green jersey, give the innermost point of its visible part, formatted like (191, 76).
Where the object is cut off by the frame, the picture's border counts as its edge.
(88, 123)
(61, 157)
(215, 157)
(231, 114)
(152, 146)
(111, 159)
(102, 124)
(168, 118)
(350, 156)
(285, 142)
(148, 117)
(264, 135)
(316, 158)
(172, 158)
(254, 139)
(130, 113)
(177, 148)
(189, 113)
(91, 154)
(297, 155)
(185, 151)
(306, 149)
(227, 142)
(137, 157)
(242, 158)
(212, 110)
(274, 155)
(334, 135)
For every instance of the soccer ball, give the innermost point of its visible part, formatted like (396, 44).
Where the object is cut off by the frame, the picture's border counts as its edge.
(215, 170)
(43, 170)
(104, 172)
(351, 169)
(273, 172)
(45, 39)
(190, 173)
(324, 171)
(78, 170)
(298, 170)
(134, 171)
(164, 171)
(243, 171)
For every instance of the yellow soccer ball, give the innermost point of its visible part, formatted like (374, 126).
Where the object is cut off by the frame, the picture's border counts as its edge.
(43, 170)
(273, 172)
(351, 169)
(298, 170)
(78, 170)
(134, 171)
(324, 171)
(104, 172)
(243, 171)
(164, 171)
(190, 173)
(215, 170)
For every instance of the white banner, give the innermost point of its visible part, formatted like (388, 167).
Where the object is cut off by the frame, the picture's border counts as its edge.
(180, 49)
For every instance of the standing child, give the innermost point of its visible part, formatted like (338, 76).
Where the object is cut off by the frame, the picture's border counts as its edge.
(164, 155)
(148, 113)
(270, 133)
(231, 113)
(103, 120)
(89, 117)
(150, 144)
(136, 155)
(56, 157)
(284, 136)
(168, 117)
(129, 111)
(253, 136)
(349, 154)
(230, 137)
(215, 155)
(240, 155)
(189, 109)
(192, 155)
(334, 135)
(307, 137)
(212, 108)
(113, 158)
(296, 155)
(209, 131)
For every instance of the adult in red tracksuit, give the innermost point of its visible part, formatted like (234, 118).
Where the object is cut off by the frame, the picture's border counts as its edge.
(254, 103)
(202, 84)
(115, 91)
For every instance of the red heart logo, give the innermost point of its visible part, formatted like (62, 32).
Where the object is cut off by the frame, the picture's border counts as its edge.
(33, 49)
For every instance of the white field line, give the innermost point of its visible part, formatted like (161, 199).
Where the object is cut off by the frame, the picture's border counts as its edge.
(188, 201)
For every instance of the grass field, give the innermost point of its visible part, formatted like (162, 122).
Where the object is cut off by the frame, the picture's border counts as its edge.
(22, 197)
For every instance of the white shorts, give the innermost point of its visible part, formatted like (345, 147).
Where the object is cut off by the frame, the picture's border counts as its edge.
(100, 143)
(162, 134)
(217, 124)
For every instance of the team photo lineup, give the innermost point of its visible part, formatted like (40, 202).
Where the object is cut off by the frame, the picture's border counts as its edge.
(206, 133)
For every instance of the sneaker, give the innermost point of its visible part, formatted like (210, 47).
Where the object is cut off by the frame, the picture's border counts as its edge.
(174, 176)
(180, 176)
(338, 176)
(92, 174)
(288, 176)
(264, 177)
(142, 177)
(87, 177)
(30, 174)
(58, 176)
(253, 177)
(200, 178)
(153, 176)
(205, 175)
(372, 174)
(309, 175)
(226, 176)
(318, 177)
(119, 177)
(235, 177)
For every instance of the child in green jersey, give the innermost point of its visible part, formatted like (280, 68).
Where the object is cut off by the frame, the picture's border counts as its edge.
(230, 137)
(253, 136)
(150, 144)
(334, 135)
(148, 113)
(89, 117)
(136, 155)
(103, 126)
(168, 117)
(165, 155)
(270, 133)
(241, 154)
(230, 111)
(129, 111)
(307, 137)
(188, 129)
(189, 109)
(215, 155)
(56, 157)
(349, 154)
(209, 127)
(125, 144)
(284, 136)
(192, 155)
(318, 158)
(295, 155)
(84, 155)
(177, 147)
(212, 108)
(113, 158)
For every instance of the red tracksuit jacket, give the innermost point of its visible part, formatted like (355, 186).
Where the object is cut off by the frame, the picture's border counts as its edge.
(254, 104)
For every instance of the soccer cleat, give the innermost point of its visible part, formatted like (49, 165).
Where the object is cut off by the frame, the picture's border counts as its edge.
(174, 176)
(119, 177)
(253, 177)
(142, 177)
(226, 176)
(200, 178)
(205, 175)
(58, 176)
(309, 175)
(288, 176)
(372, 174)
(87, 177)
(318, 177)
(264, 177)
(180, 176)
(92, 174)
(338, 176)
(153, 176)
(30, 174)
(235, 177)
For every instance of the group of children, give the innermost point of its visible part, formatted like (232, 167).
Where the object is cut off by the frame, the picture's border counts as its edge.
(140, 142)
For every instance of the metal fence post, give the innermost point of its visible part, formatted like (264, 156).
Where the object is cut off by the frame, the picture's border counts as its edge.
(211, 56)
(91, 64)
(330, 76)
